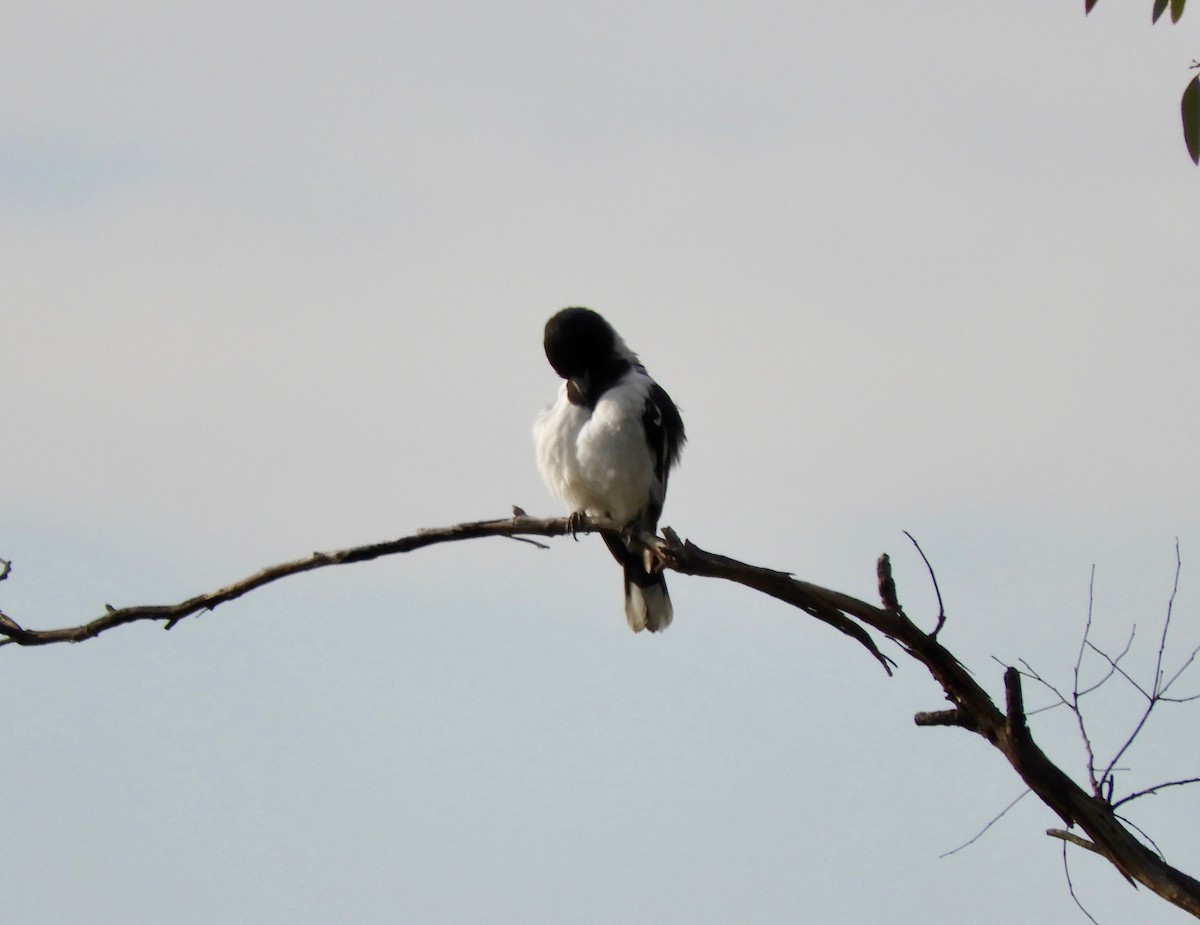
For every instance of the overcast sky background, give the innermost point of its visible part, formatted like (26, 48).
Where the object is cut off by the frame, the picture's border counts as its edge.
(272, 279)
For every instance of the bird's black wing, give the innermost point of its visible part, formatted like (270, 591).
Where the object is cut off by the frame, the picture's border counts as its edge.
(664, 431)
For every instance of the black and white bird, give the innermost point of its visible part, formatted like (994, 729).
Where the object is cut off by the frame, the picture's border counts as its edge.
(607, 445)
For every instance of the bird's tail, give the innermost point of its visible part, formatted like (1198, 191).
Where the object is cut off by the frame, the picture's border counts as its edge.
(647, 601)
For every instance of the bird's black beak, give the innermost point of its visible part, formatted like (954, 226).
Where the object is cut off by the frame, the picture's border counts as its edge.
(579, 388)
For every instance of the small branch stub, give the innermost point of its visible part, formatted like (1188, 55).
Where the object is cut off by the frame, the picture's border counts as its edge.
(1066, 836)
(887, 586)
(946, 718)
(1015, 706)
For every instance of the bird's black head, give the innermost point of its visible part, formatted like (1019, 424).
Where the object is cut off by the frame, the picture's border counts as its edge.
(585, 350)
(579, 342)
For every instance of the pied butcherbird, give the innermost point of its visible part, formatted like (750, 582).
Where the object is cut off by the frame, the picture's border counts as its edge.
(607, 444)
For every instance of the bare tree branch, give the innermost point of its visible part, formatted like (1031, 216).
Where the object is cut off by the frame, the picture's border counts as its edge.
(170, 614)
(972, 708)
(813, 600)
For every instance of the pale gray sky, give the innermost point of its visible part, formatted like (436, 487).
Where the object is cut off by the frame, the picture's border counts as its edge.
(273, 278)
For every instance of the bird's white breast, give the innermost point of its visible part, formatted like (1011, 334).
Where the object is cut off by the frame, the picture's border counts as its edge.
(598, 461)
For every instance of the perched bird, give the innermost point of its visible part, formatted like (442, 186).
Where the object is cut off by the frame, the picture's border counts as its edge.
(607, 445)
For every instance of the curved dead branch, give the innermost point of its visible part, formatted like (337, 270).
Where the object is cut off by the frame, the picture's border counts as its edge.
(971, 709)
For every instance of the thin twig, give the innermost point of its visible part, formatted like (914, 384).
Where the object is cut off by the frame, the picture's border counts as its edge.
(1141, 723)
(1121, 671)
(1157, 689)
(1095, 686)
(994, 820)
(531, 542)
(1152, 790)
(1162, 642)
(1075, 695)
(1087, 626)
(1070, 885)
(1113, 662)
(1182, 668)
(941, 620)
(1031, 673)
(1142, 832)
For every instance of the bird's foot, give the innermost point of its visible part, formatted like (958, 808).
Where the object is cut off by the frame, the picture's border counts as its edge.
(635, 534)
(575, 520)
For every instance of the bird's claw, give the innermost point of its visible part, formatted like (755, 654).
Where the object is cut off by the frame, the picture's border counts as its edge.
(575, 520)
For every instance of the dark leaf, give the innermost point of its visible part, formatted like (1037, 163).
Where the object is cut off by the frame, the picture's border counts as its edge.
(1160, 7)
(1190, 107)
(1177, 9)
(1087, 6)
